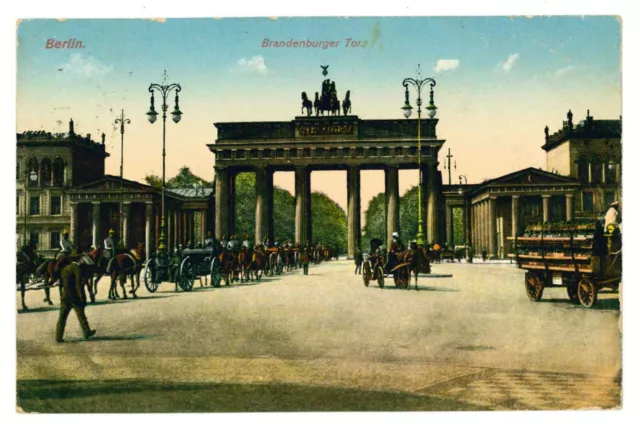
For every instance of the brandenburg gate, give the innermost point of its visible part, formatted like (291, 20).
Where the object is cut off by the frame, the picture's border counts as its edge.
(319, 143)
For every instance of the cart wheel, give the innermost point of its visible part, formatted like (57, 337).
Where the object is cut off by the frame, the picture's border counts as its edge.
(149, 277)
(380, 276)
(572, 291)
(216, 272)
(534, 286)
(187, 275)
(587, 293)
(366, 273)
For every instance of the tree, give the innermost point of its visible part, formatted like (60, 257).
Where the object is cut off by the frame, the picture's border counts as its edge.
(183, 179)
(329, 222)
(375, 220)
(153, 180)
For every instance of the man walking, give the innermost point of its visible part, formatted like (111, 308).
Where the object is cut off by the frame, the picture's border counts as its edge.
(73, 296)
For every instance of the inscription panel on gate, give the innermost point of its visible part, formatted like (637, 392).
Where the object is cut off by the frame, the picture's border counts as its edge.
(325, 128)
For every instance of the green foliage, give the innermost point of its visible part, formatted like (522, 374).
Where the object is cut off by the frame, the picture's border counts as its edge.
(284, 214)
(409, 214)
(375, 218)
(184, 179)
(329, 222)
(246, 205)
(458, 227)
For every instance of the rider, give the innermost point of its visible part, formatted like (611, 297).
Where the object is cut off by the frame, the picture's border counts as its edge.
(208, 242)
(276, 243)
(109, 249)
(246, 245)
(223, 241)
(232, 244)
(66, 245)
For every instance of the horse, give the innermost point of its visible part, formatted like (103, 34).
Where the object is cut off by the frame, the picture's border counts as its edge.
(127, 265)
(244, 262)
(228, 264)
(50, 270)
(258, 262)
(317, 104)
(289, 259)
(306, 104)
(335, 105)
(26, 264)
(346, 104)
(419, 259)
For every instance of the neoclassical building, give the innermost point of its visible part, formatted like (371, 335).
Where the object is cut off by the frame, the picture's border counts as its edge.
(581, 179)
(61, 184)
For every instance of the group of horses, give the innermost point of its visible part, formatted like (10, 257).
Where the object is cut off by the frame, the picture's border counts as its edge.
(126, 264)
(252, 264)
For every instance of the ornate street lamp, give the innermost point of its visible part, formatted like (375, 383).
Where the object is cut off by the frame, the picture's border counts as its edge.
(431, 112)
(152, 115)
(31, 177)
(122, 121)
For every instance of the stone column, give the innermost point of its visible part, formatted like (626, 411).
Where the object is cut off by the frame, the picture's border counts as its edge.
(466, 217)
(302, 216)
(262, 206)
(493, 248)
(222, 205)
(545, 207)
(73, 222)
(126, 210)
(393, 202)
(95, 224)
(485, 224)
(231, 199)
(308, 199)
(432, 211)
(353, 211)
(569, 203)
(449, 225)
(590, 176)
(515, 214)
(148, 216)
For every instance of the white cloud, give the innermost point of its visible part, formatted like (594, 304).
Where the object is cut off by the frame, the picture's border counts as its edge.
(87, 66)
(564, 71)
(446, 65)
(256, 64)
(511, 60)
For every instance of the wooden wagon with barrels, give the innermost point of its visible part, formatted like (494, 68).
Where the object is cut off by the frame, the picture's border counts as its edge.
(582, 258)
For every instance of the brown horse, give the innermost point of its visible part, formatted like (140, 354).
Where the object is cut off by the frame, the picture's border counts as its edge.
(228, 265)
(26, 264)
(50, 272)
(258, 262)
(127, 265)
(244, 263)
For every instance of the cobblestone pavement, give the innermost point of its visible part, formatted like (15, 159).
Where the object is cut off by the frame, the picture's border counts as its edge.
(472, 341)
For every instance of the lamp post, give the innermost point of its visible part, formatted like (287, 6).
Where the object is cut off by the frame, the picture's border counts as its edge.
(431, 111)
(122, 121)
(152, 115)
(31, 177)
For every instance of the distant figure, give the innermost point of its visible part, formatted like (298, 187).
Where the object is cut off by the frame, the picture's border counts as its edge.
(73, 296)
(612, 216)
(484, 255)
(209, 240)
(358, 260)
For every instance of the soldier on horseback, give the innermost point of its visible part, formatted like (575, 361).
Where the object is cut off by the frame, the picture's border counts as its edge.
(109, 252)
(66, 245)
(208, 242)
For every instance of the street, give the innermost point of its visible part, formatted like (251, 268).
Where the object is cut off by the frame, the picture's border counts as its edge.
(324, 342)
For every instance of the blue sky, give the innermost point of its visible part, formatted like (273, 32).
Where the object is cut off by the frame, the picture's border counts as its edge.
(499, 81)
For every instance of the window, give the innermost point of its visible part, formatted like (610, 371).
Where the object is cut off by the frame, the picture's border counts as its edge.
(58, 172)
(611, 172)
(583, 170)
(32, 168)
(609, 197)
(45, 172)
(596, 171)
(587, 202)
(34, 205)
(17, 170)
(56, 205)
(34, 237)
(55, 240)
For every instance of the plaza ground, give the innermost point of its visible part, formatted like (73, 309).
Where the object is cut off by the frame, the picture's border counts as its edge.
(324, 342)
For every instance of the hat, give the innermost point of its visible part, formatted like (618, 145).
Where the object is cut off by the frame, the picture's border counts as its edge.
(395, 234)
(65, 232)
(112, 231)
(616, 203)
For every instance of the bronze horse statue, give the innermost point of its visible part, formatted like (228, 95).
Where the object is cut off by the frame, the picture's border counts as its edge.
(317, 104)
(346, 104)
(306, 104)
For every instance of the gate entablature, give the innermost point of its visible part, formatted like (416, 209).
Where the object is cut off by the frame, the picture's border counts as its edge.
(336, 141)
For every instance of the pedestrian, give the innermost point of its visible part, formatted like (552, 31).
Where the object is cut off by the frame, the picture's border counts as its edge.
(73, 296)
(358, 260)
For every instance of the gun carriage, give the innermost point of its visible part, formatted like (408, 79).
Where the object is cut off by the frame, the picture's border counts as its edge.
(583, 258)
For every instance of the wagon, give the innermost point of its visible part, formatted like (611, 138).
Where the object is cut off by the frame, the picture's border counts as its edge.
(182, 268)
(582, 258)
(373, 268)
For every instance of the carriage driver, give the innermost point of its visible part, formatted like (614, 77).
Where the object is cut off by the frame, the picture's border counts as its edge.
(66, 245)
(395, 248)
(208, 242)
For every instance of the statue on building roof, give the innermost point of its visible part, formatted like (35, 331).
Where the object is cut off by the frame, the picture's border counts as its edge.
(71, 130)
(546, 133)
(103, 136)
(570, 120)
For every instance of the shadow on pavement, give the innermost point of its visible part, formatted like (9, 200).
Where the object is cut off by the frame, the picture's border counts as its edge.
(127, 396)
(40, 309)
(602, 304)
(112, 338)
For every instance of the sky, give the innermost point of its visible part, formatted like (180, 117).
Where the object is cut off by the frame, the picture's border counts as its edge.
(500, 80)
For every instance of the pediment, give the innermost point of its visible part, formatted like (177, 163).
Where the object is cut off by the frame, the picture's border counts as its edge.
(114, 184)
(531, 176)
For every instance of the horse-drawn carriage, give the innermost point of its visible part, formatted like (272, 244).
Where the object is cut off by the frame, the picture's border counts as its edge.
(378, 265)
(583, 258)
(182, 268)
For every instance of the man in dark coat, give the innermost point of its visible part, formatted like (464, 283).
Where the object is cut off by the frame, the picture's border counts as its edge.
(73, 296)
